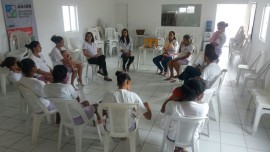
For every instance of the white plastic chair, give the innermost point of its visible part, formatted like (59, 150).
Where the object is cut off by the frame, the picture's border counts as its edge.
(94, 68)
(3, 79)
(17, 41)
(74, 52)
(237, 40)
(111, 39)
(240, 52)
(258, 76)
(261, 99)
(100, 42)
(160, 35)
(119, 28)
(33, 102)
(185, 130)
(251, 68)
(119, 117)
(77, 44)
(64, 108)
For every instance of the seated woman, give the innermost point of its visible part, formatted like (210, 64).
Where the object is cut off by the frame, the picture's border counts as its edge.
(60, 89)
(93, 57)
(126, 46)
(12, 64)
(186, 48)
(206, 72)
(189, 106)
(170, 47)
(69, 62)
(29, 81)
(57, 59)
(124, 95)
(43, 70)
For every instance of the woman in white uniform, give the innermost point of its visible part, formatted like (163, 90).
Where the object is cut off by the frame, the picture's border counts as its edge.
(191, 106)
(43, 70)
(126, 46)
(185, 51)
(124, 95)
(29, 81)
(57, 59)
(15, 72)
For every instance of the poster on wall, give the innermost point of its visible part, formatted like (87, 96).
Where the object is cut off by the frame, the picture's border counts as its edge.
(19, 15)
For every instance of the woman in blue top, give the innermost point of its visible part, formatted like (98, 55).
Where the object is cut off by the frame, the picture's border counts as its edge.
(126, 46)
(170, 47)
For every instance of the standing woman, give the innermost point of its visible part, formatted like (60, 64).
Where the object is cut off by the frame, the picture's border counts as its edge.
(170, 47)
(219, 38)
(57, 59)
(186, 48)
(43, 70)
(93, 57)
(126, 46)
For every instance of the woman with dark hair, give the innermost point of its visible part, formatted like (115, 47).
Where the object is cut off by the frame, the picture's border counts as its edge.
(185, 51)
(207, 71)
(12, 64)
(126, 46)
(189, 106)
(170, 47)
(43, 70)
(93, 57)
(57, 59)
(60, 89)
(219, 38)
(29, 81)
(124, 95)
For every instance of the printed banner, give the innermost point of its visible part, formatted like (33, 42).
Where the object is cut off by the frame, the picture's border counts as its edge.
(19, 15)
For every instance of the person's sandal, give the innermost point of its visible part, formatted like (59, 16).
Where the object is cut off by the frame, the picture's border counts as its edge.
(99, 72)
(107, 79)
(167, 79)
(160, 73)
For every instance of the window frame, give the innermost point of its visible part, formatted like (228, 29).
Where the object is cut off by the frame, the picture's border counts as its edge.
(264, 23)
(70, 19)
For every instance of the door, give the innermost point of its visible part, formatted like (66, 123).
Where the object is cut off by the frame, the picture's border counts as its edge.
(121, 13)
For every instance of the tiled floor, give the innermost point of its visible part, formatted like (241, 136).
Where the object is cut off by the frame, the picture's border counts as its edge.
(230, 134)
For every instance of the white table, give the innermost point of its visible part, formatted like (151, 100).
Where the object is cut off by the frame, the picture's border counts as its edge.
(142, 48)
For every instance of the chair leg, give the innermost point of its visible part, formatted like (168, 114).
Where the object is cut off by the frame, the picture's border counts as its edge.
(144, 54)
(257, 119)
(3, 84)
(208, 127)
(243, 87)
(238, 76)
(60, 136)
(78, 138)
(250, 100)
(196, 146)
(106, 142)
(215, 107)
(36, 124)
(132, 142)
(93, 73)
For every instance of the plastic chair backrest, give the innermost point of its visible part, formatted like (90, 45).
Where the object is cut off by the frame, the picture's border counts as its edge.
(95, 33)
(185, 129)
(253, 63)
(119, 28)
(32, 100)
(68, 44)
(18, 39)
(263, 70)
(119, 116)
(160, 32)
(110, 33)
(207, 95)
(101, 32)
(240, 32)
(218, 80)
(76, 42)
(64, 105)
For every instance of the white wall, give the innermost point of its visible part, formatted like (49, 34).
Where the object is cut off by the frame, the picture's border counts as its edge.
(147, 14)
(50, 22)
(257, 44)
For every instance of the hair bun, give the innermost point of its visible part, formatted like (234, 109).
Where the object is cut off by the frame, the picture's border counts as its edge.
(118, 73)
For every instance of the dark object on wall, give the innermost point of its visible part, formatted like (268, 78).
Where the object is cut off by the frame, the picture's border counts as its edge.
(140, 32)
(208, 26)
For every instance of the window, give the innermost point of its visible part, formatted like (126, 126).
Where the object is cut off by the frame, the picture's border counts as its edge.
(188, 9)
(264, 24)
(251, 19)
(70, 18)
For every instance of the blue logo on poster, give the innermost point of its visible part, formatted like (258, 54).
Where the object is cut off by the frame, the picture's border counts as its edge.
(11, 11)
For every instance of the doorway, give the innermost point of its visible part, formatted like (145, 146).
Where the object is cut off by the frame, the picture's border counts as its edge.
(233, 14)
(121, 13)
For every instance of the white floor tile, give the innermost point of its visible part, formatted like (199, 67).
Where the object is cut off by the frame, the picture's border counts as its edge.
(226, 148)
(209, 146)
(154, 138)
(233, 139)
(257, 143)
(231, 128)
